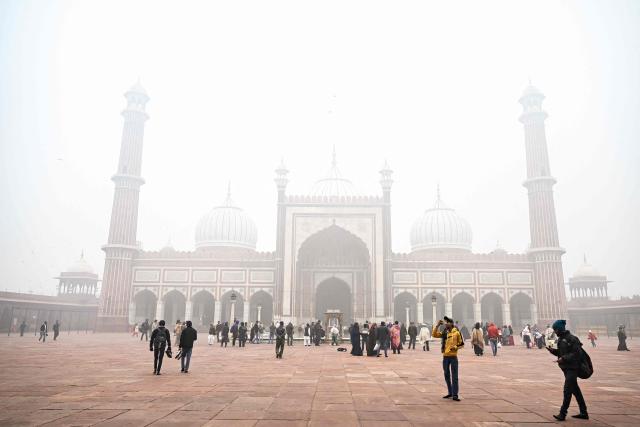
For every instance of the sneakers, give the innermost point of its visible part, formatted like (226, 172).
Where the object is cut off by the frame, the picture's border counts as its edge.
(456, 398)
(581, 416)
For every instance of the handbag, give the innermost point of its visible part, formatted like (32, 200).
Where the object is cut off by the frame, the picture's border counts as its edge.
(376, 347)
(179, 355)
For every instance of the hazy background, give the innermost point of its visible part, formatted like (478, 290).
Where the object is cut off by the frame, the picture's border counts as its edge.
(234, 86)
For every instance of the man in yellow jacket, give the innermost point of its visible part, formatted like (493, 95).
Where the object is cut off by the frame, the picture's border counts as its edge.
(451, 342)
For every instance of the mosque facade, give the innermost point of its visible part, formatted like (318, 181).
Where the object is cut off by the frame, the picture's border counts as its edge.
(333, 253)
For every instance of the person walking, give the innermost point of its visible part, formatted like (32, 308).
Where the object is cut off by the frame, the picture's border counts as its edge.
(476, 340)
(280, 337)
(212, 333)
(382, 337)
(451, 342)
(218, 331)
(592, 337)
(568, 352)
(425, 336)
(396, 338)
(622, 339)
(272, 332)
(23, 327)
(403, 334)
(224, 335)
(43, 331)
(289, 331)
(413, 333)
(526, 336)
(187, 336)
(334, 335)
(234, 333)
(307, 335)
(160, 341)
(154, 325)
(494, 334)
(144, 330)
(356, 349)
(317, 333)
(177, 330)
(56, 330)
(242, 334)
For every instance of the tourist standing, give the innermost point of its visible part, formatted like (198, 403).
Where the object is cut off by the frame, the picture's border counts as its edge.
(242, 334)
(592, 337)
(44, 328)
(403, 334)
(177, 329)
(160, 340)
(187, 336)
(234, 333)
(317, 333)
(451, 342)
(382, 337)
(224, 335)
(334, 335)
(280, 337)
(622, 339)
(252, 335)
(289, 331)
(413, 333)
(144, 330)
(307, 335)
(218, 331)
(272, 332)
(477, 340)
(23, 327)
(212, 333)
(526, 336)
(568, 354)
(356, 349)
(486, 335)
(396, 338)
(425, 336)
(493, 334)
(56, 330)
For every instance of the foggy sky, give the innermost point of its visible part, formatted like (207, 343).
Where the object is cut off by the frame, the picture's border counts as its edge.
(235, 86)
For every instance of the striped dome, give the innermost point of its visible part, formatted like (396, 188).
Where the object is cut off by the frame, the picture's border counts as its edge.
(440, 228)
(226, 226)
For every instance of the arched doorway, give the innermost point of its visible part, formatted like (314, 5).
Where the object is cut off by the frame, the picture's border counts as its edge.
(335, 251)
(261, 304)
(146, 302)
(174, 307)
(491, 309)
(520, 308)
(226, 305)
(427, 308)
(463, 309)
(401, 302)
(333, 294)
(203, 308)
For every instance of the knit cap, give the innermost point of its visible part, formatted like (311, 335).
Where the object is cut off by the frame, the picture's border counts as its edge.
(559, 325)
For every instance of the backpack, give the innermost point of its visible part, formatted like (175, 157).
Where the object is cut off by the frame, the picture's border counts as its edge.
(161, 339)
(586, 367)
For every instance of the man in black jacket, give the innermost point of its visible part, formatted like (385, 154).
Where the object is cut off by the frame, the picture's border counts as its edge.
(187, 337)
(144, 330)
(382, 336)
(569, 355)
(280, 337)
(160, 340)
(413, 333)
(289, 331)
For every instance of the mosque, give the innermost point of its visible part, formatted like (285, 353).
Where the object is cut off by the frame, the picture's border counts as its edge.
(333, 253)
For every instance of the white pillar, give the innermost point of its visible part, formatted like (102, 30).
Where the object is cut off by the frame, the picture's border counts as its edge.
(132, 312)
(420, 317)
(434, 312)
(534, 314)
(188, 310)
(233, 312)
(216, 311)
(159, 310)
(448, 309)
(407, 310)
(259, 319)
(477, 312)
(247, 310)
(506, 314)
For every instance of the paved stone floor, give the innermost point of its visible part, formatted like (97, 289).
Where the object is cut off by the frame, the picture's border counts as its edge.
(105, 379)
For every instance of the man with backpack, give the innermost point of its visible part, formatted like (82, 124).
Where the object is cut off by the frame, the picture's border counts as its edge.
(570, 358)
(160, 341)
(280, 337)
(187, 337)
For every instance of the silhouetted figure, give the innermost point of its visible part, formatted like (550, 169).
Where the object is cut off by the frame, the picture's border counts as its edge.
(23, 327)
(160, 341)
(43, 332)
(56, 330)
(289, 330)
(187, 337)
(280, 337)
(622, 339)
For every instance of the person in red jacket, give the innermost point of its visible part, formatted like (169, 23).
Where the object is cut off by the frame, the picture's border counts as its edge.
(592, 337)
(494, 335)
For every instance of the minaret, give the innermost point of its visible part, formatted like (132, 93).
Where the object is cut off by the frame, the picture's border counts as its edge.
(386, 182)
(281, 181)
(545, 250)
(122, 246)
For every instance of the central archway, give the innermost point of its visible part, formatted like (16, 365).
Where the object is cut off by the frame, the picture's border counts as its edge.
(333, 294)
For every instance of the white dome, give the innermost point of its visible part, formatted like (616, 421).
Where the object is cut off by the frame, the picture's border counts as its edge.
(334, 185)
(80, 266)
(226, 226)
(440, 228)
(586, 270)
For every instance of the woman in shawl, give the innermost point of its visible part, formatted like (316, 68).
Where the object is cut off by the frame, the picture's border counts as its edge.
(395, 338)
(371, 340)
(356, 350)
(477, 340)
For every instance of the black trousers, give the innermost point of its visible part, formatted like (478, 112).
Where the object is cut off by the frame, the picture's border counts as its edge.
(571, 388)
(290, 339)
(158, 355)
(233, 340)
(279, 347)
(144, 335)
(412, 342)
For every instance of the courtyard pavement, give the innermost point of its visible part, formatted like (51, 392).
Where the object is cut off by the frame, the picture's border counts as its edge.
(106, 380)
